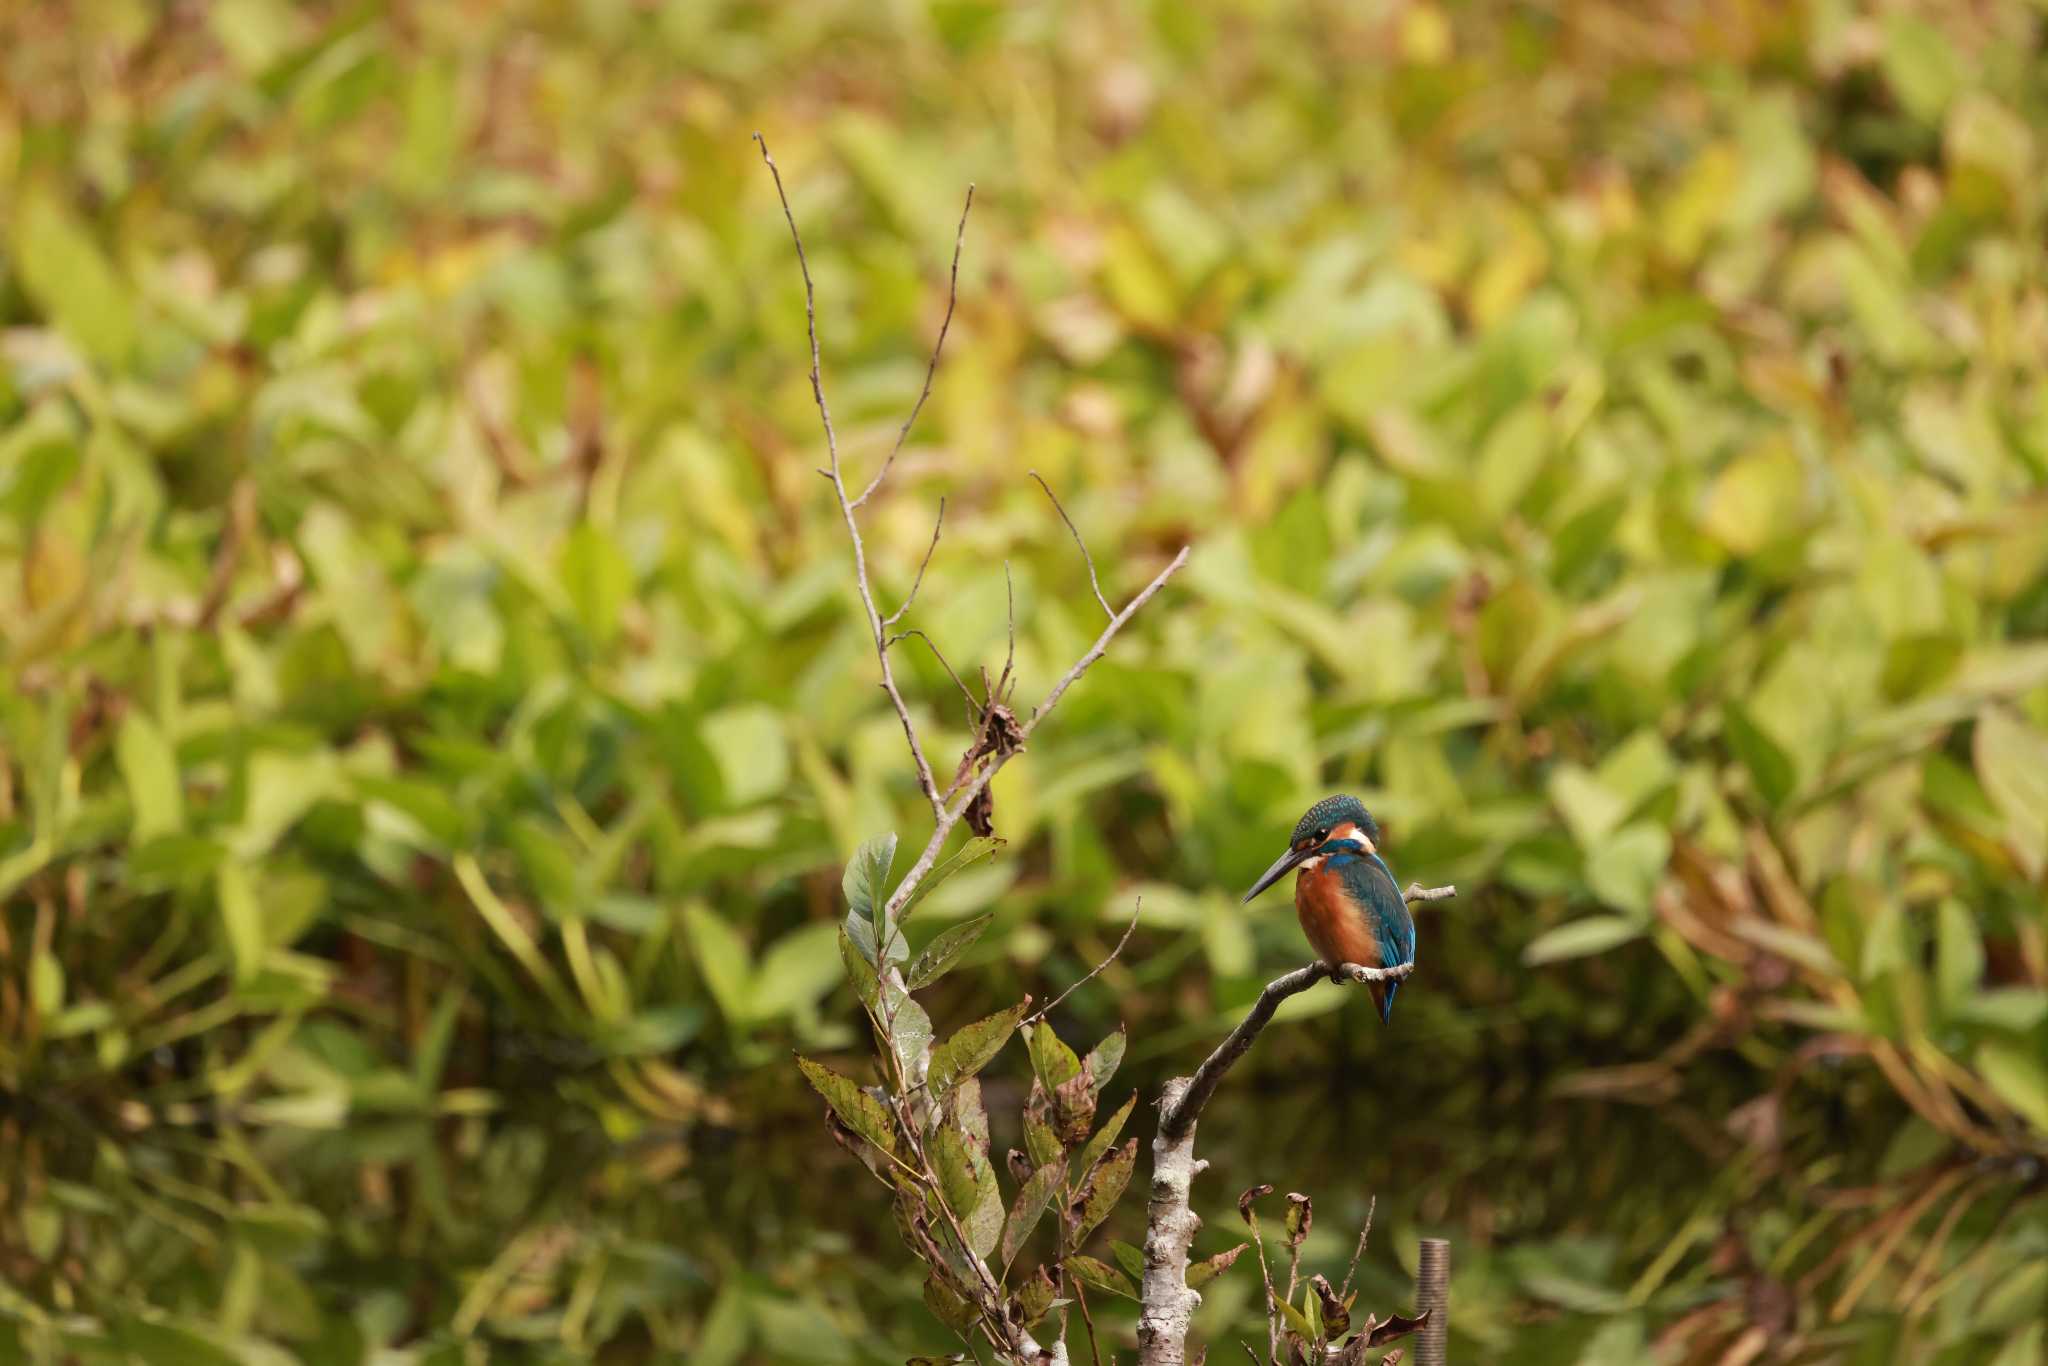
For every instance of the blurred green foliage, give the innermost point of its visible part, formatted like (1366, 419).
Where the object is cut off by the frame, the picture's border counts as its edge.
(1613, 440)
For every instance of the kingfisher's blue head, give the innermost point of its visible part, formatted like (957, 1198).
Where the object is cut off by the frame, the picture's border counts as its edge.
(1333, 820)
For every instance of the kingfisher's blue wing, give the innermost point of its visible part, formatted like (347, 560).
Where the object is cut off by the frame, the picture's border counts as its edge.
(1372, 885)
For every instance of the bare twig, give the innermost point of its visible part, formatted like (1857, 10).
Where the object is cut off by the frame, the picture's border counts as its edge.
(1093, 582)
(1088, 1320)
(973, 707)
(1046, 1010)
(860, 557)
(1006, 685)
(952, 297)
(1358, 1252)
(923, 565)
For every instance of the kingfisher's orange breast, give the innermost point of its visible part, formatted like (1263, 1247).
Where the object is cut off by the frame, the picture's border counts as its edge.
(1333, 925)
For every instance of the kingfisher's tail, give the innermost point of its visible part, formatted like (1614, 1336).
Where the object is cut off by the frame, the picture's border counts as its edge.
(1383, 997)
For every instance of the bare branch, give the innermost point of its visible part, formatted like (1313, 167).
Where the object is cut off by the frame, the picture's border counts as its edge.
(1046, 1010)
(1093, 582)
(1182, 1116)
(876, 628)
(1202, 1085)
(923, 565)
(1008, 684)
(1359, 1251)
(810, 314)
(973, 707)
(951, 814)
(952, 297)
(1167, 1304)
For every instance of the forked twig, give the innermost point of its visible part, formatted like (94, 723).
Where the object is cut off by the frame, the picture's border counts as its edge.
(924, 564)
(1046, 1009)
(860, 556)
(1093, 582)
(952, 297)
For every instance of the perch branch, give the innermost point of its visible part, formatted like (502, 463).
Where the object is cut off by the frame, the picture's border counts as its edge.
(1181, 1118)
(1166, 1303)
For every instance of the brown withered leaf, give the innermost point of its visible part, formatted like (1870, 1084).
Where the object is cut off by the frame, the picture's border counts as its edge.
(1101, 1189)
(1336, 1314)
(1301, 1216)
(1244, 1202)
(1073, 1107)
(997, 735)
(1394, 1327)
(1209, 1268)
(981, 813)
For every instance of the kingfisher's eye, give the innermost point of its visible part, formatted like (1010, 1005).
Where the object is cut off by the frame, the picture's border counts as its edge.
(1322, 835)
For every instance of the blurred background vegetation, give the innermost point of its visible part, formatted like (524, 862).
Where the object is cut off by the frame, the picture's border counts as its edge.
(1613, 438)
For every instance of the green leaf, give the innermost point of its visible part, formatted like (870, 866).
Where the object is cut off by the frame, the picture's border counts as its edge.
(1103, 1059)
(1029, 1206)
(1101, 1189)
(1106, 1135)
(1581, 938)
(1625, 868)
(860, 973)
(1297, 1320)
(969, 1113)
(1101, 1276)
(1051, 1059)
(1209, 1268)
(970, 1050)
(2019, 1078)
(910, 1029)
(968, 1183)
(598, 579)
(723, 959)
(796, 971)
(1129, 1258)
(947, 1304)
(1035, 1297)
(966, 856)
(150, 768)
(1041, 1144)
(749, 747)
(1959, 953)
(69, 278)
(2012, 764)
(1770, 768)
(45, 984)
(866, 879)
(865, 884)
(858, 1110)
(945, 950)
(241, 918)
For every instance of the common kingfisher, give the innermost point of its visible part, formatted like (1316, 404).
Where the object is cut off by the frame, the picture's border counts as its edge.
(1350, 907)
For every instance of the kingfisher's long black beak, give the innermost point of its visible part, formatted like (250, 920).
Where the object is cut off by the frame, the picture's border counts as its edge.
(1282, 866)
